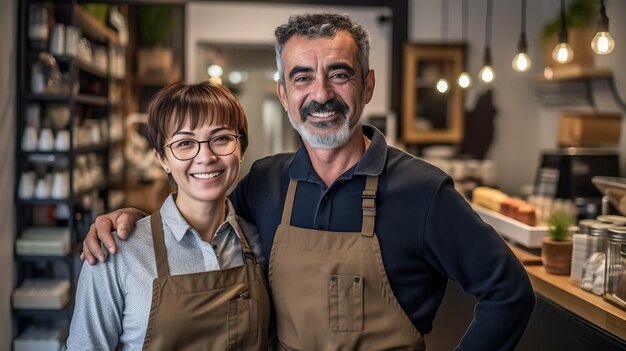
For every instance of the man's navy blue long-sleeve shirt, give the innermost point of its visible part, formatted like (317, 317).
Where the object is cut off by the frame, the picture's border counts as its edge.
(428, 234)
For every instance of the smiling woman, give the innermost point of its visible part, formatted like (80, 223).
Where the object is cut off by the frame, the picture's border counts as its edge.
(194, 243)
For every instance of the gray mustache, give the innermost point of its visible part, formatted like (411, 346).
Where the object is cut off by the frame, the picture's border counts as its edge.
(329, 106)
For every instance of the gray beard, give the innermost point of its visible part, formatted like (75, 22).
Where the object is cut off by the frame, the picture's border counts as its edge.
(331, 141)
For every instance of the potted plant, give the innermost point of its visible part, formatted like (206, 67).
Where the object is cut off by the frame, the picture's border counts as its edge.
(580, 18)
(556, 248)
(155, 59)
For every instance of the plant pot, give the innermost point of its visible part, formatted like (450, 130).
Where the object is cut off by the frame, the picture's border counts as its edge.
(556, 256)
(155, 62)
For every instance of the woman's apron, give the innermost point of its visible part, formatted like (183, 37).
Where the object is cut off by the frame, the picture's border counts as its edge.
(216, 310)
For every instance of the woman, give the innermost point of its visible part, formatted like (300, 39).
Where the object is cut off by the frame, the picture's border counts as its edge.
(187, 278)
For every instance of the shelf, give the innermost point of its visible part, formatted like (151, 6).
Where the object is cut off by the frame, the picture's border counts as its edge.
(83, 66)
(93, 28)
(51, 156)
(572, 85)
(80, 98)
(91, 100)
(28, 258)
(45, 313)
(50, 201)
(107, 97)
(575, 73)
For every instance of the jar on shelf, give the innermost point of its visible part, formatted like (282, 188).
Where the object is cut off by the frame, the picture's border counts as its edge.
(38, 30)
(580, 250)
(615, 280)
(593, 269)
(46, 77)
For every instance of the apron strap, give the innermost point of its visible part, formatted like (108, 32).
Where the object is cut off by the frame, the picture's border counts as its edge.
(369, 206)
(160, 254)
(248, 256)
(288, 207)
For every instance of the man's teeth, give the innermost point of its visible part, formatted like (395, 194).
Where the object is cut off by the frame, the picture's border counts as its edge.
(206, 175)
(322, 114)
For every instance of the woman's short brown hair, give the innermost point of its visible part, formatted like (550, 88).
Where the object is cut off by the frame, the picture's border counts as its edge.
(199, 103)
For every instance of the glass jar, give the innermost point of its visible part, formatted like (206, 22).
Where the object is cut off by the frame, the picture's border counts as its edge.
(593, 268)
(45, 78)
(580, 250)
(38, 30)
(585, 224)
(615, 281)
(612, 219)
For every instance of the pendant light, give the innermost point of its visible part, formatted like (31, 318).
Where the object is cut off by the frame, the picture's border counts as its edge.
(603, 43)
(487, 74)
(442, 84)
(521, 61)
(464, 80)
(562, 52)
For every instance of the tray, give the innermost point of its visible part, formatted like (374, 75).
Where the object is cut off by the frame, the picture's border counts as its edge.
(512, 229)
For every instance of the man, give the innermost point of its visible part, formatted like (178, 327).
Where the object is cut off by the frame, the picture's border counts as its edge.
(361, 238)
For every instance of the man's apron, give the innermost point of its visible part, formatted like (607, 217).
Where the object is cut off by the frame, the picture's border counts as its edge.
(330, 289)
(216, 310)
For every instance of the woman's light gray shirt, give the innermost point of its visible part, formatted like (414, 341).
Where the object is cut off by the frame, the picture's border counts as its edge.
(113, 298)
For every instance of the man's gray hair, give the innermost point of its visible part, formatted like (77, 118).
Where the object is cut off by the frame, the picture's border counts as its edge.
(321, 25)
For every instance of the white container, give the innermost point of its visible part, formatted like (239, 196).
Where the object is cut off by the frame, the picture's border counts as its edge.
(44, 241)
(39, 338)
(42, 294)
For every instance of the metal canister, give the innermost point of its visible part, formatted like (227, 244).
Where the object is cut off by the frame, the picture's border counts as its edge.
(615, 278)
(593, 268)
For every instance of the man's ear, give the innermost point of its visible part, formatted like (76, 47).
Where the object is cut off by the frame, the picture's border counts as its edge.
(370, 82)
(282, 94)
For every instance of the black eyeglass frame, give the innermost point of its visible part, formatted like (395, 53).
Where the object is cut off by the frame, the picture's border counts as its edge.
(237, 136)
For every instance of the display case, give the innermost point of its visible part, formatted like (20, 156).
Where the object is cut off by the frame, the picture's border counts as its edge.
(71, 73)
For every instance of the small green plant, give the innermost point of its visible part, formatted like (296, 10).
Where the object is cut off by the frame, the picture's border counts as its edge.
(558, 225)
(155, 24)
(578, 14)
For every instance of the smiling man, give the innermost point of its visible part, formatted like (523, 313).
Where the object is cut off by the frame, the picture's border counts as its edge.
(361, 238)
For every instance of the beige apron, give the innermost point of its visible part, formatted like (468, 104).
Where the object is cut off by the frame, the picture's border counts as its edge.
(216, 310)
(330, 289)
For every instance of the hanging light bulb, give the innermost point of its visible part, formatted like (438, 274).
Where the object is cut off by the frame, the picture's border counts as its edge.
(562, 52)
(464, 80)
(602, 43)
(521, 61)
(442, 85)
(487, 73)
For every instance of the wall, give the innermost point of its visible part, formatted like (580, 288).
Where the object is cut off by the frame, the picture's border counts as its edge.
(8, 27)
(523, 127)
(237, 23)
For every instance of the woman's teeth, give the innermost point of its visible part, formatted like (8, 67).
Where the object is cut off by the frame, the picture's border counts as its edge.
(206, 175)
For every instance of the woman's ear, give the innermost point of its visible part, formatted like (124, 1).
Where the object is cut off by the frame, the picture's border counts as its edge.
(163, 161)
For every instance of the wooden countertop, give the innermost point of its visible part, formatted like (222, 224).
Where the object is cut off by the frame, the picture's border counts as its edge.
(558, 289)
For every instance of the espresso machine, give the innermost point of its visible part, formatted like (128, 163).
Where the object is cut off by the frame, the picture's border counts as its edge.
(567, 173)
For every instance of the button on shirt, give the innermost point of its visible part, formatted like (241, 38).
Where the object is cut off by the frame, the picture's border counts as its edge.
(113, 298)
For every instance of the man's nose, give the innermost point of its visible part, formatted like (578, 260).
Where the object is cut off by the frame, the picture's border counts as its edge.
(322, 90)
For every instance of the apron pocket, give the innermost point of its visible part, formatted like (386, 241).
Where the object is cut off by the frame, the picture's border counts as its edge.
(345, 299)
(243, 322)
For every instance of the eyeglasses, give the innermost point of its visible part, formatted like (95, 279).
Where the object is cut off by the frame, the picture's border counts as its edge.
(220, 145)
